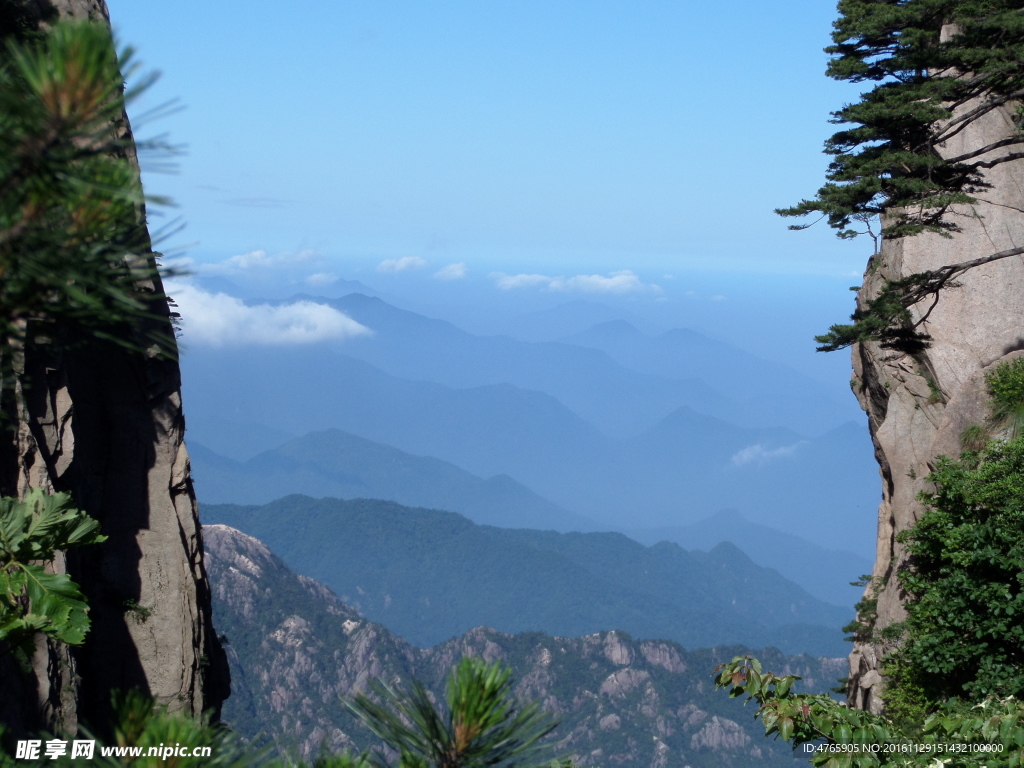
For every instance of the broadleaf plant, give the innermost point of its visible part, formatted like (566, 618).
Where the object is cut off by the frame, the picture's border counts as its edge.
(986, 735)
(32, 599)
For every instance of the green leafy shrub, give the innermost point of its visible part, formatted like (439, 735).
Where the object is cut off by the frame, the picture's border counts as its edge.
(965, 579)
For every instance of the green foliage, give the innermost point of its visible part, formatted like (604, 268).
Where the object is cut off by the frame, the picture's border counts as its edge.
(344, 760)
(32, 600)
(799, 718)
(1006, 388)
(862, 628)
(885, 318)
(907, 698)
(482, 724)
(140, 722)
(138, 613)
(74, 250)
(885, 158)
(988, 735)
(964, 629)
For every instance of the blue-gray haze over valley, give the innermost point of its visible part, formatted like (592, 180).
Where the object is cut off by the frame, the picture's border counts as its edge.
(665, 435)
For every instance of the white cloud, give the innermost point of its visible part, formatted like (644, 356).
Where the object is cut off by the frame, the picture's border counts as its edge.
(402, 264)
(246, 261)
(322, 278)
(508, 282)
(718, 297)
(759, 455)
(219, 320)
(258, 259)
(623, 281)
(452, 271)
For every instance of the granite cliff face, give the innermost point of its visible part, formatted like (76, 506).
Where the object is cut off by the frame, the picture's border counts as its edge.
(106, 425)
(297, 652)
(919, 405)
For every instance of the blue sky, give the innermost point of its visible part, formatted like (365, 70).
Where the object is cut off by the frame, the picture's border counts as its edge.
(508, 138)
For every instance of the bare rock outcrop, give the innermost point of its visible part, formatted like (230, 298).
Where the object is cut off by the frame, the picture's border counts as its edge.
(719, 733)
(919, 405)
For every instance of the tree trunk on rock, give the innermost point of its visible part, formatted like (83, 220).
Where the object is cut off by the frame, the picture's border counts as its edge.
(106, 425)
(919, 405)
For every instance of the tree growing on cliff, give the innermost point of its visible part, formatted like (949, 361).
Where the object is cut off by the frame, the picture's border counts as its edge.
(937, 67)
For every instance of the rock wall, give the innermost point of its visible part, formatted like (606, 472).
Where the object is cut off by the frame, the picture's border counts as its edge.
(919, 406)
(107, 425)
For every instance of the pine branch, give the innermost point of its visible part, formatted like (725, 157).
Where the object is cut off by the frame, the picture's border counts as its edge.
(886, 318)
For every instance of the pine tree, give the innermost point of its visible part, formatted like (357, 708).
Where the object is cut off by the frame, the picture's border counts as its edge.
(937, 67)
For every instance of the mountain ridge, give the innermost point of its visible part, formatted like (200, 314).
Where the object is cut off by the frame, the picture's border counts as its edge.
(429, 575)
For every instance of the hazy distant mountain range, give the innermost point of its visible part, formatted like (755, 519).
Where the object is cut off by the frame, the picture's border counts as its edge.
(611, 374)
(496, 406)
(339, 464)
(616, 399)
(429, 575)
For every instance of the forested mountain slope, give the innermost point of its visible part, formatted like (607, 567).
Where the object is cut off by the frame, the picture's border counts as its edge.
(430, 575)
